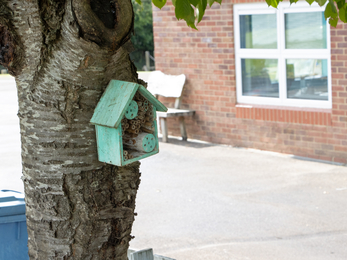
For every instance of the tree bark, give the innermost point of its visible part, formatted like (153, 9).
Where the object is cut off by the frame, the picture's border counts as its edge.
(63, 53)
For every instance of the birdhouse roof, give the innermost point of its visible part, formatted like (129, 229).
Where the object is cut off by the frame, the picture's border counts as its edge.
(115, 100)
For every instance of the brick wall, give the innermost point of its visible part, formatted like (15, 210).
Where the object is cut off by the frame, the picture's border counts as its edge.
(206, 57)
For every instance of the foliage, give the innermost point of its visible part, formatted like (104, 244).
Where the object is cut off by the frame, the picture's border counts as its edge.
(192, 11)
(184, 9)
(143, 36)
(334, 9)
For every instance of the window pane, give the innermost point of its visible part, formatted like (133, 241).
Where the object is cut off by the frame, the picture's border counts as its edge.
(307, 79)
(305, 30)
(258, 31)
(260, 77)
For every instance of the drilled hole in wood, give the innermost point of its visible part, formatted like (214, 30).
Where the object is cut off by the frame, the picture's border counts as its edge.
(138, 122)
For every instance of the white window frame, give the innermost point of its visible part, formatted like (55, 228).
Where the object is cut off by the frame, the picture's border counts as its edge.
(281, 54)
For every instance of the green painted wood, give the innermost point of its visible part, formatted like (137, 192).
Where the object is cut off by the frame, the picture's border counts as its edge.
(148, 143)
(113, 103)
(159, 106)
(107, 119)
(173, 112)
(131, 110)
(109, 143)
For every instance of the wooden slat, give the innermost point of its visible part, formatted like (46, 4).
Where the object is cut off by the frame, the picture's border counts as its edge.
(113, 103)
(164, 132)
(165, 85)
(109, 144)
(183, 128)
(144, 75)
(168, 86)
(173, 112)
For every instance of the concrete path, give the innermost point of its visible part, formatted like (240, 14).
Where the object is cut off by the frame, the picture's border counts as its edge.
(212, 202)
(216, 202)
(10, 158)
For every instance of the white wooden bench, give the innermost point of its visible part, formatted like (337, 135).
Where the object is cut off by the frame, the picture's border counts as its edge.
(160, 84)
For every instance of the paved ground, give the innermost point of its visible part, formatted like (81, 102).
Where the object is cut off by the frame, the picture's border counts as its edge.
(201, 201)
(217, 202)
(10, 160)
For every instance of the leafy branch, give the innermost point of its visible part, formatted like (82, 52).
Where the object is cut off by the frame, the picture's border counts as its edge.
(334, 9)
(192, 11)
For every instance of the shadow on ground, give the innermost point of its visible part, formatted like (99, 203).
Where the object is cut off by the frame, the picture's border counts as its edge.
(192, 144)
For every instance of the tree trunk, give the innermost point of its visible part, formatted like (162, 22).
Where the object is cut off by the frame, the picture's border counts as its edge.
(63, 56)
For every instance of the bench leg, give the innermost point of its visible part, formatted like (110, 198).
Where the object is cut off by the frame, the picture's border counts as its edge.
(183, 129)
(164, 129)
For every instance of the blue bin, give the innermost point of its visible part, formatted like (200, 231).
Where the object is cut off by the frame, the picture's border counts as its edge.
(13, 228)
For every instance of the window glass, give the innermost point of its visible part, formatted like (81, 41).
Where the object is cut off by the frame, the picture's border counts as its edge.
(307, 79)
(260, 77)
(305, 30)
(258, 31)
(283, 57)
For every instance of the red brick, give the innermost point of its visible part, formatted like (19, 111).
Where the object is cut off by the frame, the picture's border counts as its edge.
(183, 50)
(339, 160)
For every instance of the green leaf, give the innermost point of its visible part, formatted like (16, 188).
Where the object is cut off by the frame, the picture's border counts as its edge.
(201, 8)
(293, 1)
(340, 3)
(327, 11)
(194, 2)
(174, 2)
(210, 2)
(333, 21)
(330, 11)
(333, 7)
(139, 2)
(159, 3)
(321, 2)
(273, 3)
(185, 11)
(343, 14)
(309, 1)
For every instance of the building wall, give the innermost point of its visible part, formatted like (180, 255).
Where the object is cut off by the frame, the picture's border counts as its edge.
(206, 57)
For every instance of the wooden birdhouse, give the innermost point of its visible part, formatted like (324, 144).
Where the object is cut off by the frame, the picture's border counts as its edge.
(125, 123)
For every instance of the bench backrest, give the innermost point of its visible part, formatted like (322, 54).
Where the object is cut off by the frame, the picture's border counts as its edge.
(165, 85)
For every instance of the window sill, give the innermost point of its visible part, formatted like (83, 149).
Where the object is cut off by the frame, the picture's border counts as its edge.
(296, 115)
